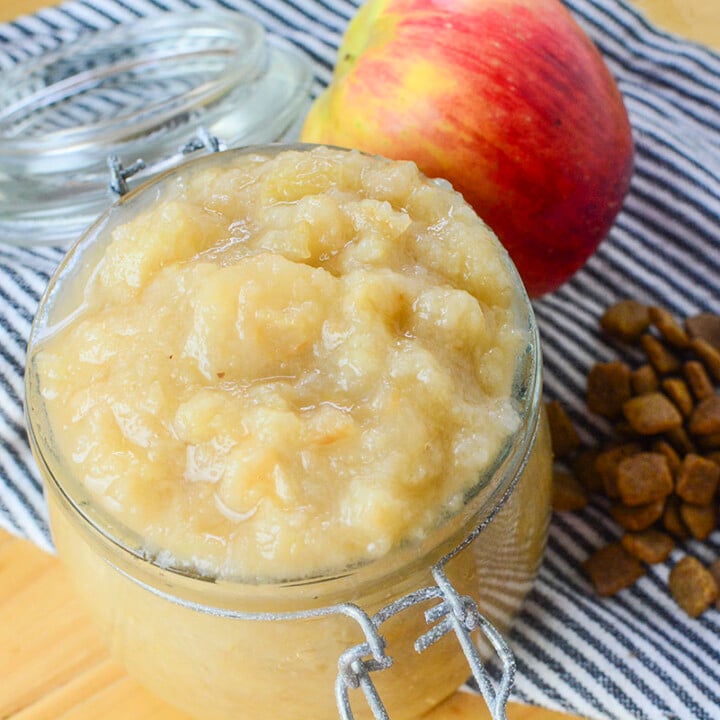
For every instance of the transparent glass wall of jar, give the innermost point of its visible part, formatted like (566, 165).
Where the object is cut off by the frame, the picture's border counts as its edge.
(174, 632)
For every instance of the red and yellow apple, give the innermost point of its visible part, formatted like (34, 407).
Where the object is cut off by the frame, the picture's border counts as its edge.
(509, 100)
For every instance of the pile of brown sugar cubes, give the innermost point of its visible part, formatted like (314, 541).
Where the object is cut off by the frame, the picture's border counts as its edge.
(661, 470)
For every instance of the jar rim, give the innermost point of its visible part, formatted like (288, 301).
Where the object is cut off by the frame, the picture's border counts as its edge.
(236, 43)
(482, 501)
(138, 90)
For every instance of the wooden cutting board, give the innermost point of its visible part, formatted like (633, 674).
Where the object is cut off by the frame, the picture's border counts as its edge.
(53, 666)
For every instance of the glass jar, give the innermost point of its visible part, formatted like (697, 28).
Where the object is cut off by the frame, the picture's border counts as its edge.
(136, 91)
(221, 649)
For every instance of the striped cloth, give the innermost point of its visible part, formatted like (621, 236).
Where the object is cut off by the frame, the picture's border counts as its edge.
(632, 656)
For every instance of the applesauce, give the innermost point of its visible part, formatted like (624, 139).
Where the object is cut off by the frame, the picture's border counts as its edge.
(274, 381)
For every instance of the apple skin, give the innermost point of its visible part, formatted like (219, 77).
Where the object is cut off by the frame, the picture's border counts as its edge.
(509, 100)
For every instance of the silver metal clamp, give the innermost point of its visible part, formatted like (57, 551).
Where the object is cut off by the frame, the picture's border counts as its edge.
(120, 174)
(454, 613)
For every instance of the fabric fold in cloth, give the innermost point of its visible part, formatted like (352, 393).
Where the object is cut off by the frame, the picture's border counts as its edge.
(636, 654)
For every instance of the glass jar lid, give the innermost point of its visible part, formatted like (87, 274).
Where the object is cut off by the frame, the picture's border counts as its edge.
(139, 91)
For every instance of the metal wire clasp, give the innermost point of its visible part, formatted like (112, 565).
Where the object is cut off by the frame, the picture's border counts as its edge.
(119, 174)
(454, 613)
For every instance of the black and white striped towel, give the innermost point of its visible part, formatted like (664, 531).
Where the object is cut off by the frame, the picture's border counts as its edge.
(632, 656)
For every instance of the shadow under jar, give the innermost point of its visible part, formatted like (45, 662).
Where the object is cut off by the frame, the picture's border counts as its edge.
(279, 381)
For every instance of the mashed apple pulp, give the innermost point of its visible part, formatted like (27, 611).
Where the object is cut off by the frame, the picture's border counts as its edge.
(287, 365)
(272, 366)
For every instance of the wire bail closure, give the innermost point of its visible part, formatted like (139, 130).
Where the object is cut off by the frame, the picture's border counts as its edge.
(454, 613)
(119, 174)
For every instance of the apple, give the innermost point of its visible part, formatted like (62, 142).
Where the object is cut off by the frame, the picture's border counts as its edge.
(509, 100)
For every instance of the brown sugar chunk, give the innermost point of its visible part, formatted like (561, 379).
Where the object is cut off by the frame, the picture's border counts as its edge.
(626, 320)
(673, 459)
(698, 379)
(679, 393)
(668, 327)
(608, 388)
(643, 478)
(606, 465)
(568, 494)
(650, 546)
(709, 355)
(612, 568)
(662, 470)
(639, 517)
(700, 520)
(651, 414)
(672, 520)
(585, 471)
(697, 480)
(662, 359)
(563, 434)
(705, 326)
(705, 419)
(644, 380)
(692, 586)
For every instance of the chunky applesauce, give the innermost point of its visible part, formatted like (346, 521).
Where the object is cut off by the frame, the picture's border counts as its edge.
(288, 365)
(278, 382)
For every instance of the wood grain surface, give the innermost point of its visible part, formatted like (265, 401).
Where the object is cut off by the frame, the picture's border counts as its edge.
(54, 667)
(698, 20)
